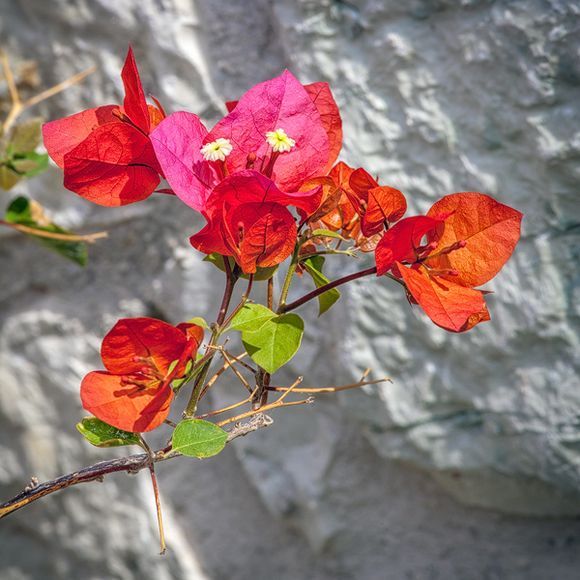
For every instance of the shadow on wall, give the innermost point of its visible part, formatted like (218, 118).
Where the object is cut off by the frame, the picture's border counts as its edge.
(436, 98)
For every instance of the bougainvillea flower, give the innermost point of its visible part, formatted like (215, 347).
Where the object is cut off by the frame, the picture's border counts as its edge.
(115, 165)
(378, 205)
(105, 152)
(178, 143)
(286, 131)
(468, 238)
(341, 209)
(248, 219)
(323, 100)
(142, 357)
(490, 230)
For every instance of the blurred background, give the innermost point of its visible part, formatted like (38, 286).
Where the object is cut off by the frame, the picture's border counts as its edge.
(468, 465)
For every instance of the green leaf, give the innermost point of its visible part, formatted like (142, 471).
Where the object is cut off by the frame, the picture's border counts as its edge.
(314, 268)
(198, 438)
(251, 317)
(199, 321)
(8, 177)
(24, 212)
(29, 164)
(100, 434)
(261, 274)
(326, 234)
(26, 136)
(275, 342)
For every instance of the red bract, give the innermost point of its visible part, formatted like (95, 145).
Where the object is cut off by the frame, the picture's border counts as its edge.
(105, 152)
(113, 166)
(260, 235)
(142, 357)
(468, 238)
(248, 219)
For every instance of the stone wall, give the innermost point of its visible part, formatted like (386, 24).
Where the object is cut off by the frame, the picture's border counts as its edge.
(468, 465)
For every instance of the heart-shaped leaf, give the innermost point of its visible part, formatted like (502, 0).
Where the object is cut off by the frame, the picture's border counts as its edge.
(251, 317)
(275, 342)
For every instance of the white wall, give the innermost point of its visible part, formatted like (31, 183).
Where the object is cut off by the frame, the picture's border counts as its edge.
(437, 97)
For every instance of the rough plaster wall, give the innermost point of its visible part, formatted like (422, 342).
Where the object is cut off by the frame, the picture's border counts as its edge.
(437, 96)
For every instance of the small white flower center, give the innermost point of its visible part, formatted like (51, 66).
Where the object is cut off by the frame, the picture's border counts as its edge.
(217, 150)
(279, 141)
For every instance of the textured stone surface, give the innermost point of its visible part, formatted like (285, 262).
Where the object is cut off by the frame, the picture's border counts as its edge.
(437, 96)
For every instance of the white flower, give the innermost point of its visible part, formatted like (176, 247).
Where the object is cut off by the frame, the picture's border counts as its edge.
(279, 141)
(217, 150)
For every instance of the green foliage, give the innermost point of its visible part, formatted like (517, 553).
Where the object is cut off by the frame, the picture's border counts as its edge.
(322, 233)
(314, 267)
(100, 434)
(24, 212)
(262, 273)
(271, 340)
(275, 342)
(250, 317)
(198, 438)
(199, 321)
(18, 158)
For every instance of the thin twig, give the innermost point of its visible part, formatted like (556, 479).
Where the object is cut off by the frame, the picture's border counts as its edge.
(270, 407)
(270, 293)
(151, 454)
(226, 409)
(278, 403)
(52, 91)
(9, 76)
(19, 106)
(219, 373)
(198, 385)
(86, 238)
(241, 377)
(322, 289)
(130, 464)
(313, 390)
(241, 304)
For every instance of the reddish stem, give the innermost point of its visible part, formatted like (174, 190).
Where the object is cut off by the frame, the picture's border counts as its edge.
(326, 288)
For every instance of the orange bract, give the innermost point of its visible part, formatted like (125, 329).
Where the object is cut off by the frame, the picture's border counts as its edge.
(142, 357)
(467, 238)
(447, 304)
(490, 230)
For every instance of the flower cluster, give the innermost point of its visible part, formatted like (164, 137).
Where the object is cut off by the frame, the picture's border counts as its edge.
(268, 182)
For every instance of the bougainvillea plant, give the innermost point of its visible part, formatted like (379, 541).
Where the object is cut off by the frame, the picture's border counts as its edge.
(19, 160)
(267, 180)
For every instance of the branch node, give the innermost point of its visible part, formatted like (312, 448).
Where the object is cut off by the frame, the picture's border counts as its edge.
(33, 484)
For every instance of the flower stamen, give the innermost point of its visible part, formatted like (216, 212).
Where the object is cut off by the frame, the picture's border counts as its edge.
(280, 141)
(217, 150)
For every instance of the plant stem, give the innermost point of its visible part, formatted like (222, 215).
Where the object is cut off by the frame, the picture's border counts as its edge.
(288, 280)
(19, 106)
(231, 279)
(270, 294)
(318, 291)
(151, 454)
(86, 238)
(96, 472)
